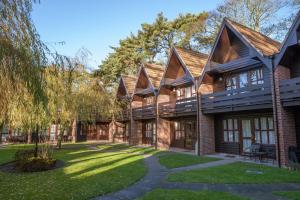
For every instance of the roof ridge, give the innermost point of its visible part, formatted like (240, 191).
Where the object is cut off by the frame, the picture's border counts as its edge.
(191, 51)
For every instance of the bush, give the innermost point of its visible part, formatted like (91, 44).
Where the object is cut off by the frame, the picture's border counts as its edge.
(36, 164)
(26, 162)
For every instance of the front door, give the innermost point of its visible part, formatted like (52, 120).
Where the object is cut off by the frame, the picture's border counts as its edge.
(246, 135)
(190, 135)
(148, 130)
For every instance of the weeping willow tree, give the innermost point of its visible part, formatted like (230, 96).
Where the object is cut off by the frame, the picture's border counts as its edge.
(22, 54)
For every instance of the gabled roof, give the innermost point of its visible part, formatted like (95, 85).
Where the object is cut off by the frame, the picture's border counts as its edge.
(290, 38)
(129, 82)
(259, 41)
(154, 72)
(194, 61)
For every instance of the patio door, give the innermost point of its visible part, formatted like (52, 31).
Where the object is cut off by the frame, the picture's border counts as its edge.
(190, 135)
(246, 135)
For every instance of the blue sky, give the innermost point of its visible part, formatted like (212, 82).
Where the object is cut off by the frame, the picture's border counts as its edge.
(98, 24)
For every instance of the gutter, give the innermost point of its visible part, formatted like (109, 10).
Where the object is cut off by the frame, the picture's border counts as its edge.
(198, 114)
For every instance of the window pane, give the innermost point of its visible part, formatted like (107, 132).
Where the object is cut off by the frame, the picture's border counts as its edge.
(230, 136)
(270, 121)
(230, 124)
(224, 125)
(272, 137)
(225, 136)
(246, 145)
(256, 124)
(264, 137)
(257, 136)
(188, 92)
(253, 77)
(246, 124)
(263, 122)
(236, 136)
(243, 80)
(235, 124)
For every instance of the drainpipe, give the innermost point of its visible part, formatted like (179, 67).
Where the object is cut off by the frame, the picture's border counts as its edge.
(275, 108)
(198, 114)
(157, 116)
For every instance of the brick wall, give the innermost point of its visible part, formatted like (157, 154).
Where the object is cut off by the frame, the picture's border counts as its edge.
(286, 121)
(163, 133)
(206, 125)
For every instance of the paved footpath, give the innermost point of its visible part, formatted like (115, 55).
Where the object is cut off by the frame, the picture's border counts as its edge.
(156, 178)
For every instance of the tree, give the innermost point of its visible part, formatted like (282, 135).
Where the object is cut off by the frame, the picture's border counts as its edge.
(152, 44)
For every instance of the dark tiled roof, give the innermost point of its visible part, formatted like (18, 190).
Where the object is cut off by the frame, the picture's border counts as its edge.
(194, 61)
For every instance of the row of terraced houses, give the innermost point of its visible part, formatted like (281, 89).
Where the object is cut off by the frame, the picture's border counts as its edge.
(247, 90)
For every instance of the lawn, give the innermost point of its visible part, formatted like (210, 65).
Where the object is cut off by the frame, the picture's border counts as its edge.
(293, 195)
(86, 174)
(166, 194)
(174, 160)
(237, 173)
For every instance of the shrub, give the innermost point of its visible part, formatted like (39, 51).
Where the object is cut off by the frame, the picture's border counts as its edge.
(26, 162)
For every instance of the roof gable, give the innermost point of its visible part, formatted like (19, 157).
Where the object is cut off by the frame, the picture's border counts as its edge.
(154, 73)
(129, 83)
(193, 61)
(291, 38)
(122, 91)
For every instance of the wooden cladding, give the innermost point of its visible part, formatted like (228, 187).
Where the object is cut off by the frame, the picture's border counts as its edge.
(145, 112)
(248, 98)
(182, 107)
(290, 92)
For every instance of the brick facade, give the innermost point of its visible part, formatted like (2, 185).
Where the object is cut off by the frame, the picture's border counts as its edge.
(286, 120)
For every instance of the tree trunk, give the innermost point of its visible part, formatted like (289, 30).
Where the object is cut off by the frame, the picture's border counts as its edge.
(74, 131)
(36, 141)
(29, 138)
(1, 129)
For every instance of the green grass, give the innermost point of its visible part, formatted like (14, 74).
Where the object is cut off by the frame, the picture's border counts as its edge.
(293, 195)
(174, 160)
(164, 194)
(237, 173)
(86, 174)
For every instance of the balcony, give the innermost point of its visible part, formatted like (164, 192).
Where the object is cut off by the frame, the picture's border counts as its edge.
(145, 112)
(124, 115)
(249, 98)
(290, 92)
(183, 107)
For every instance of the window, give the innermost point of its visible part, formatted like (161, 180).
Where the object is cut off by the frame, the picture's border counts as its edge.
(230, 130)
(179, 130)
(149, 130)
(245, 79)
(149, 100)
(186, 92)
(264, 130)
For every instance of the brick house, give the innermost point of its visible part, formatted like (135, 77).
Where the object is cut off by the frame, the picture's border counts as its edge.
(236, 101)
(144, 109)
(124, 95)
(287, 84)
(177, 99)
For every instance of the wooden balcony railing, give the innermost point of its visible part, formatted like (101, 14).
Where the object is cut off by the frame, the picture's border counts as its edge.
(145, 112)
(290, 92)
(249, 98)
(182, 107)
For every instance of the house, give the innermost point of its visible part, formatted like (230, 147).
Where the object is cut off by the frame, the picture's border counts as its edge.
(144, 109)
(123, 120)
(177, 99)
(287, 82)
(235, 92)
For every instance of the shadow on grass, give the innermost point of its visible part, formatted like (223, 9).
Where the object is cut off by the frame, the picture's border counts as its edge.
(93, 173)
